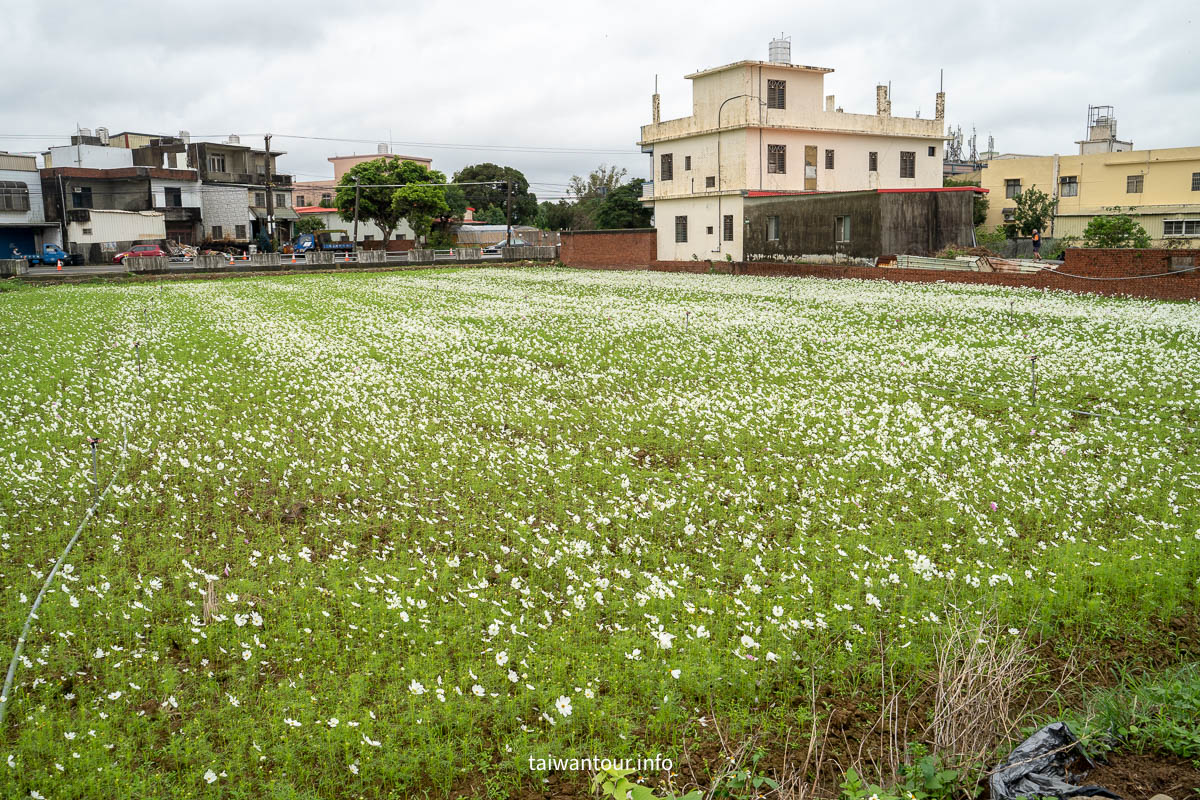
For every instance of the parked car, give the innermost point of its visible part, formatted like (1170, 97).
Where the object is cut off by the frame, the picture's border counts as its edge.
(52, 254)
(140, 251)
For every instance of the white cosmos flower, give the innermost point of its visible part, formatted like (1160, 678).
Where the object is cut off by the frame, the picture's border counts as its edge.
(748, 642)
(478, 690)
(210, 777)
(501, 658)
(369, 741)
(563, 704)
(513, 676)
(416, 688)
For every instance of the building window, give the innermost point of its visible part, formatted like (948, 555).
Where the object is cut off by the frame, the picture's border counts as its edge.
(14, 196)
(1134, 183)
(1181, 227)
(326, 197)
(1196, 181)
(710, 182)
(368, 237)
(727, 225)
(216, 232)
(933, 150)
(828, 159)
(87, 232)
(776, 94)
(260, 199)
(216, 164)
(1012, 188)
(772, 229)
(239, 231)
(908, 163)
(687, 163)
(81, 197)
(280, 200)
(680, 229)
(841, 229)
(708, 230)
(300, 201)
(666, 170)
(777, 158)
(873, 161)
(173, 196)
(1068, 186)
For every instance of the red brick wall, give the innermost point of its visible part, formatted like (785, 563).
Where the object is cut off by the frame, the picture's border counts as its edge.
(615, 249)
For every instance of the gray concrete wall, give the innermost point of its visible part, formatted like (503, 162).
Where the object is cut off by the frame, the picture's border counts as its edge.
(10, 267)
(925, 223)
(806, 226)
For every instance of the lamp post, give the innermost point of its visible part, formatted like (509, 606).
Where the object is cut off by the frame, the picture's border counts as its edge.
(720, 185)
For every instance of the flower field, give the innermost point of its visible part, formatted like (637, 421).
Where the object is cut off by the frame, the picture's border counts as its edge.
(387, 534)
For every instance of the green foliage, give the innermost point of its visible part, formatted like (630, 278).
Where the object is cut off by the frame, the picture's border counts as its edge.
(1159, 713)
(377, 197)
(310, 223)
(614, 783)
(492, 216)
(561, 216)
(326, 203)
(419, 204)
(622, 207)
(1033, 212)
(484, 198)
(744, 782)
(440, 239)
(599, 182)
(1115, 230)
(925, 779)
(993, 238)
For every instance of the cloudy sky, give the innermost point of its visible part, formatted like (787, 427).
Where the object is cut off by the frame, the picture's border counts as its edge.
(555, 88)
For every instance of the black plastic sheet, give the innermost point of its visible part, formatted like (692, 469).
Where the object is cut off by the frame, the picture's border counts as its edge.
(1044, 765)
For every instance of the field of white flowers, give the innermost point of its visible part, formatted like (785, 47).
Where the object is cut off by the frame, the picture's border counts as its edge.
(374, 534)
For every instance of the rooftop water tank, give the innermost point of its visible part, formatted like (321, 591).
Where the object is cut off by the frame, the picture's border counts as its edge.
(781, 50)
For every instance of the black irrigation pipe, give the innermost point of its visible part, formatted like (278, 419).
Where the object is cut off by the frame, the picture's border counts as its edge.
(1053, 271)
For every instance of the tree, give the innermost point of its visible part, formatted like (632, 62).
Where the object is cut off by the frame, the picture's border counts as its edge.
(622, 208)
(492, 215)
(494, 194)
(980, 208)
(376, 197)
(1115, 230)
(1034, 209)
(310, 223)
(420, 204)
(560, 216)
(598, 183)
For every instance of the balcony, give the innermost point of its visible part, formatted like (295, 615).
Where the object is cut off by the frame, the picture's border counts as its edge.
(252, 179)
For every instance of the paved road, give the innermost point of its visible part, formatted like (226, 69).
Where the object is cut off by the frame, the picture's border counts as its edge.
(88, 269)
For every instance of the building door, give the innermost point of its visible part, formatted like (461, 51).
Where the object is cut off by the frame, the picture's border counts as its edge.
(810, 167)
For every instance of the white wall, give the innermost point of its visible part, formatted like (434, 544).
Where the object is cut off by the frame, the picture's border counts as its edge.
(118, 226)
(850, 161)
(33, 180)
(335, 223)
(190, 190)
(89, 156)
(702, 212)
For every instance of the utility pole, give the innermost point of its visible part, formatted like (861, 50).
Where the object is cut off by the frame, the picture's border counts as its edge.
(508, 216)
(62, 217)
(270, 197)
(355, 245)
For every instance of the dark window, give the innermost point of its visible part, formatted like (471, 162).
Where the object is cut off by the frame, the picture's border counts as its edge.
(326, 196)
(81, 197)
(772, 229)
(1134, 184)
(1181, 227)
(216, 232)
(14, 196)
(1196, 181)
(173, 196)
(908, 164)
(239, 231)
(710, 182)
(681, 229)
(872, 161)
(667, 169)
(841, 229)
(216, 163)
(708, 230)
(828, 159)
(932, 150)
(687, 163)
(368, 237)
(1068, 186)
(776, 94)
(727, 224)
(777, 158)
(1012, 188)
(280, 200)
(260, 199)
(300, 201)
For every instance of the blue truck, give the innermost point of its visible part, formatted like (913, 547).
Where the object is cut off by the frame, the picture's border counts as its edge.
(51, 255)
(321, 240)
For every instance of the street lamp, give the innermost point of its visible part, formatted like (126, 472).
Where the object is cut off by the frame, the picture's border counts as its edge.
(720, 185)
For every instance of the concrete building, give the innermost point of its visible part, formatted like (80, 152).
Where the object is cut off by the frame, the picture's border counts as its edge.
(1160, 189)
(23, 224)
(769, 126)
(228, 165)
(367, 231)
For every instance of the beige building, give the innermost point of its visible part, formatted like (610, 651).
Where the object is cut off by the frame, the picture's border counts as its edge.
(1158, 188)
(769, 126)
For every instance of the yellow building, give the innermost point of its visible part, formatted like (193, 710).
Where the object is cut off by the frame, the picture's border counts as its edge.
(1160, 189)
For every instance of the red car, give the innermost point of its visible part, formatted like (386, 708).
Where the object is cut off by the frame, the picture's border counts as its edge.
(140, 251)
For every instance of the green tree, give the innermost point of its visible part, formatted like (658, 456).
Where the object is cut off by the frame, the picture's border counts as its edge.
(310, 223)
(1034, 210)
(597, 184)
(492, 216)
(378, 179)
(622, 207)
(1115, 230)
(560, 216)
(494, 194)
(420, 204)
(980, 208)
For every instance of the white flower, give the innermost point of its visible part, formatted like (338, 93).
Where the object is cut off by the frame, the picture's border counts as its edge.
(675, 674)
(370, 741)
(246, 655)
(210, 777)
(501, 658)
(289, 721)
(771, 656)
(563, 704)
(114, 695)
(333, 722)
(748, 642)
(240, 619)
(354, 768)
(416, 688)
(256, 619)
(664, 639)
(513, 676)
(69, 735)
(478, 690)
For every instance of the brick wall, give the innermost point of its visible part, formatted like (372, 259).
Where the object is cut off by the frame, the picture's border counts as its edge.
(616, 249)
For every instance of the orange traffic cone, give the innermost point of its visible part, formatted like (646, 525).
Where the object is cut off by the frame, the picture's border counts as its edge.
(60, 265)
(293, 258)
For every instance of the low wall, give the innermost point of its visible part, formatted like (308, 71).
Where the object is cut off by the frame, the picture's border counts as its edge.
(635, 248)
(10, 267)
